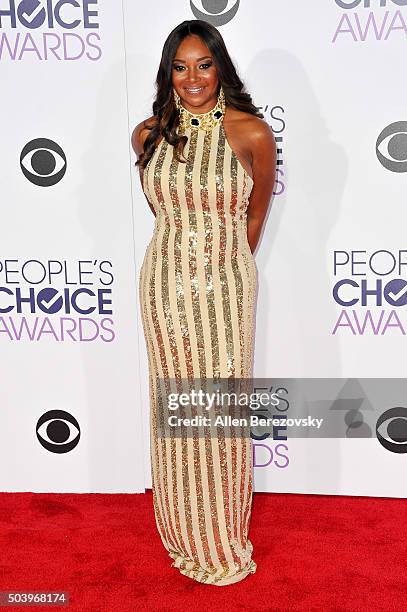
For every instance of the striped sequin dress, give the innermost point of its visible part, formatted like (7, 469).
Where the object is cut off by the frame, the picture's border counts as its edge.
(197, 288)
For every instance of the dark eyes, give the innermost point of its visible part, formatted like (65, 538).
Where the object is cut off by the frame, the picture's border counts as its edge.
(205, 66)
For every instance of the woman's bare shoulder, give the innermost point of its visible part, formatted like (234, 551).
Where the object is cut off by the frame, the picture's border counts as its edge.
(248, 123)
(140, 133)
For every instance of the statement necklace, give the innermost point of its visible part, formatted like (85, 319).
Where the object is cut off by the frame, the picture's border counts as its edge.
(203, 121)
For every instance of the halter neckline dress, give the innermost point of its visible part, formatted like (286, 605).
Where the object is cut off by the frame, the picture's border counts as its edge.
(197, 291)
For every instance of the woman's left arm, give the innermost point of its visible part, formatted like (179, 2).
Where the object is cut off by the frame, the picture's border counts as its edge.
(264, 155)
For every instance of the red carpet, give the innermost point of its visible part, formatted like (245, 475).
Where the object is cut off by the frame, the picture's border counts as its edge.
(313, 552)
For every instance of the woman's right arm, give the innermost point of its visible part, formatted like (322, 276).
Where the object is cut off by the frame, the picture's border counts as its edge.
(138, 138)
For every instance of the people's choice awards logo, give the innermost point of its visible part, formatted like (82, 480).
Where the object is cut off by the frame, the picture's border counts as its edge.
(391, 147)
(371, 288)
(43, 162)
(216, 12)
(49, 30)
(58, 431)
(56, 300)
(367, 20)
(391, 429)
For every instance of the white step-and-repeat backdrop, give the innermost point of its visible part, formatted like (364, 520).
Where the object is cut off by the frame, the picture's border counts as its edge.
(77, 77)
(69, 388)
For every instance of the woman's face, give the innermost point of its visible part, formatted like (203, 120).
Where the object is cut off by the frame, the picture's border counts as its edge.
(194, 75)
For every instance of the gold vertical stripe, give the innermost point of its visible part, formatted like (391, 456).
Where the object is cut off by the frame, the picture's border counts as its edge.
(227, 448)
(215, 446)
(230, 163)
(180, 308)
(168, 290)
(190, 458)
(235, 282)
(195, 161)
(205, 251)
(160, 323)
(182, 259)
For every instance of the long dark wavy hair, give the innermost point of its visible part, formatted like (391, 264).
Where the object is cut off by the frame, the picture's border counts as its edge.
(166, 115)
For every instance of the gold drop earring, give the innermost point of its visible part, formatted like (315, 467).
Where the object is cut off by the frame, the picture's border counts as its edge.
(177, 99)
(221, 100)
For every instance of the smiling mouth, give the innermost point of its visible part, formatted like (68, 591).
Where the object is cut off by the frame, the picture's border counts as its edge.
(194, 90)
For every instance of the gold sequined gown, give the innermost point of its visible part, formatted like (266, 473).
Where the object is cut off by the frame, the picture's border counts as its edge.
(197, 289)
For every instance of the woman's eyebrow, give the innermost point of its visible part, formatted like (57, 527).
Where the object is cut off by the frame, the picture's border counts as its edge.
(198, 60)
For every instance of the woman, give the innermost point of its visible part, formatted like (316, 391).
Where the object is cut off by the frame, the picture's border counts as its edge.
(207, 167)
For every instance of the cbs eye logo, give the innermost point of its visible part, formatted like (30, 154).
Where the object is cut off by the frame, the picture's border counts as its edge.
(43, 162)
(212, 11)
(393, 140)
(58, 431)
(393, 435)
